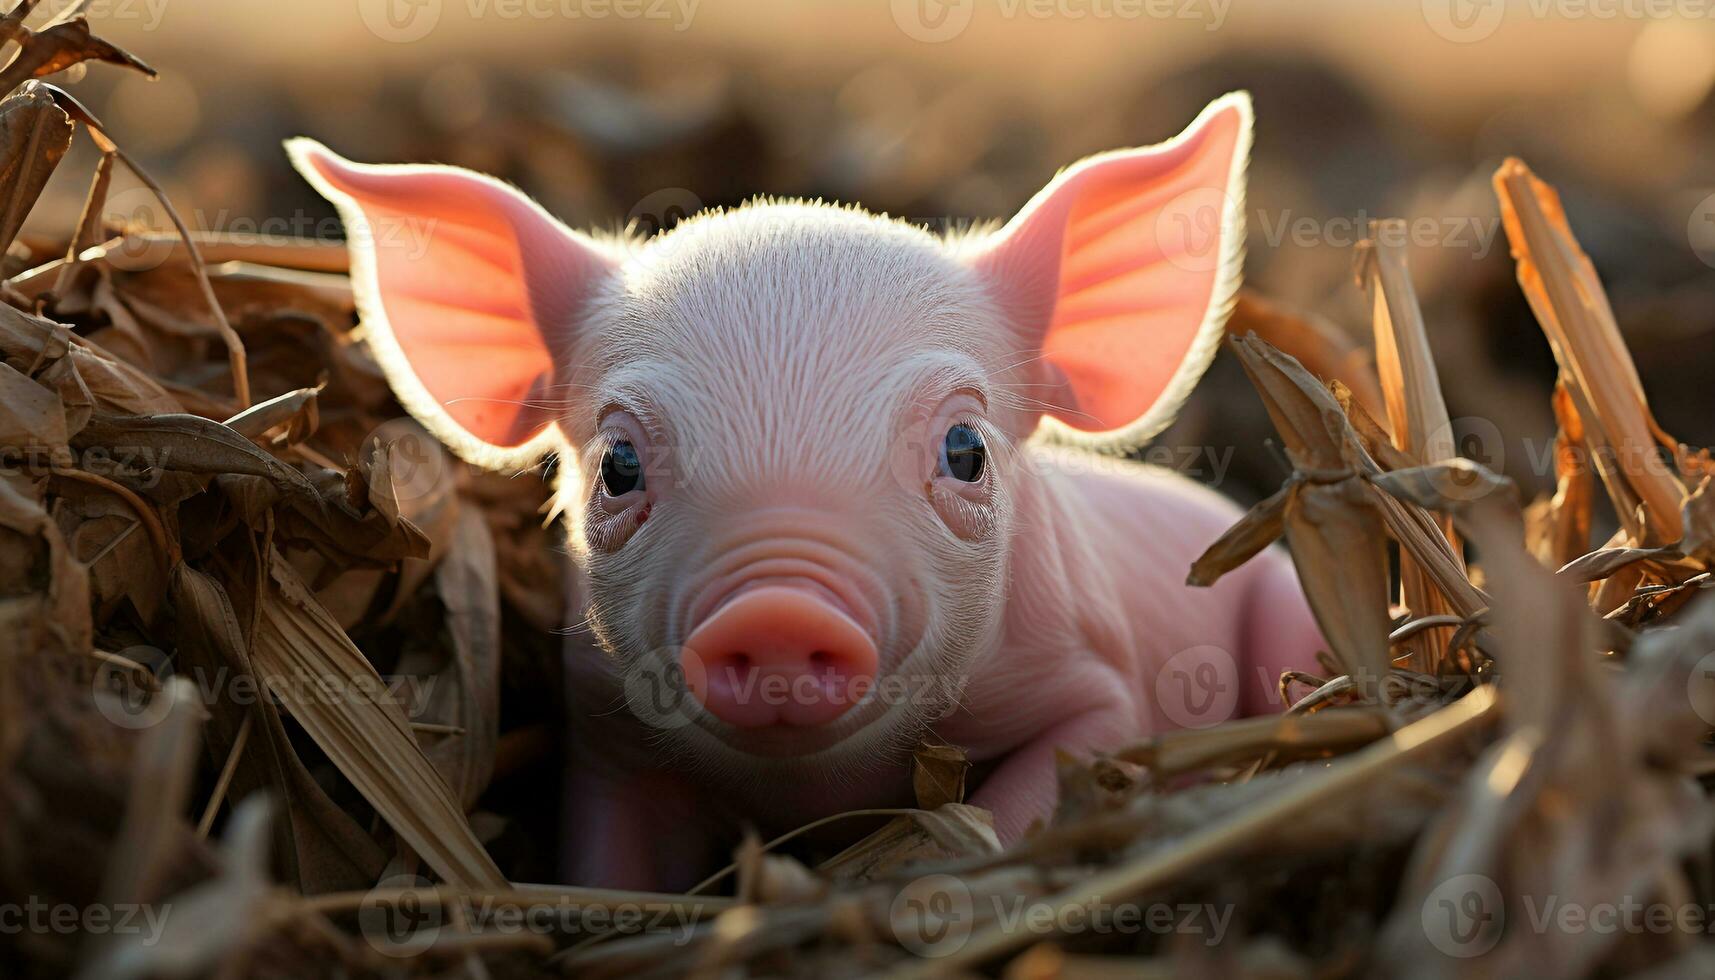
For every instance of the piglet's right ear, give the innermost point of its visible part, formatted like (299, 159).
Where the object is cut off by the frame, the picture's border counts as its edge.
(470, 294)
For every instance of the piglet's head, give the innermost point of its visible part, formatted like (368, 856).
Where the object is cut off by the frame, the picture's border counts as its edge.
(791, 432)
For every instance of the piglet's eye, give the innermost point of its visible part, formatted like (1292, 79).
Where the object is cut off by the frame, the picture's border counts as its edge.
(963, 454)
(621, 469)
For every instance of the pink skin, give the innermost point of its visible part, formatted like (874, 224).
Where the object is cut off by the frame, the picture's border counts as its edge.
(799, 582)
(780, 631)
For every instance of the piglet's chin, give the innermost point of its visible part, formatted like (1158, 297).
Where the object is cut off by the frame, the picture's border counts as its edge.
(779, 655)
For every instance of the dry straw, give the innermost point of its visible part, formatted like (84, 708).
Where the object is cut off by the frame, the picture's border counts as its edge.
(160, 533)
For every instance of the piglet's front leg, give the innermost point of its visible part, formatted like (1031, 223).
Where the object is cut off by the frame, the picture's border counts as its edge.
(643, 830)
(1024, 787)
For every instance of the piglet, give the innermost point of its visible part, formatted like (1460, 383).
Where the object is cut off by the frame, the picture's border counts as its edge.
(833, 481)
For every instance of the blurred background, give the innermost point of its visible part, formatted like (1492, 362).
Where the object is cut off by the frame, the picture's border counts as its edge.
(613, 111)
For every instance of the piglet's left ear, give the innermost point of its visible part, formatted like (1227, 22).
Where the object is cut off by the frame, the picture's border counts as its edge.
(1121, 273)
(472, 297)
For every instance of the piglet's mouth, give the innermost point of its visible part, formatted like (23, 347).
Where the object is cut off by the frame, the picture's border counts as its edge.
(780, 654)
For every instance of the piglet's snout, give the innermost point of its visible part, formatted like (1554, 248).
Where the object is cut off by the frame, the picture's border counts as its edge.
(778, 655)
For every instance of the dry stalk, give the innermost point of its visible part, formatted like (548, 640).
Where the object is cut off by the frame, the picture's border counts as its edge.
(1416, 412)
(1596, 368)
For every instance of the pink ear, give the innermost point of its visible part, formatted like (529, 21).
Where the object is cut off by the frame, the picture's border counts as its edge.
(470, 295)
(1122, 272)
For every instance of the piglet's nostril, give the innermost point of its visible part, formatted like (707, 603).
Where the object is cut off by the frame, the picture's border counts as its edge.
(779, 655)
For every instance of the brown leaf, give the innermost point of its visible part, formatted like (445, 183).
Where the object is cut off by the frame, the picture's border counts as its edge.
(1338, 546)
(1261, 526)
(32, 420)
(34, 136)
(1416, 411)
(56, 47)
(54, 354)
(300, 652)
(326, 849)
(955, 830)
(44, 589)
(296, 410)
(464, 689)
(1574, 489)
(1603, 562)
(1452, 487)
(153, 828)
(192, 444)
(1597, 369)
(1332, 524)
(209, 922)
(1321, 346)
(1232, 742)
(1308, 419)
(938, 774)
